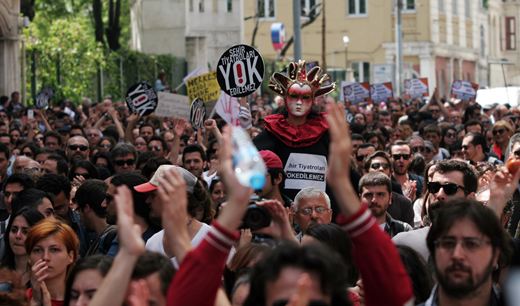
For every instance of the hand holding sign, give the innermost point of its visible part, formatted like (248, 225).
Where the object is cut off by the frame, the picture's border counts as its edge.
(141, 98)
(240, 71)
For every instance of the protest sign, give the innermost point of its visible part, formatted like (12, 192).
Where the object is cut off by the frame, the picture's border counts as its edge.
(240, 71)
(227, 108)
(197, 113)
(355, 92)
(381, 92)
(42, 99)
(415, 88)
(173, 105)
(464, 90)
(141, 98)
(204, 87)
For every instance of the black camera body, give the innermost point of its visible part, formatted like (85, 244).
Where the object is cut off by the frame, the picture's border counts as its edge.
(256, 217)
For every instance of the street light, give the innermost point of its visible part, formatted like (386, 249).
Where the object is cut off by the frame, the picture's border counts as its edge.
(346, 41)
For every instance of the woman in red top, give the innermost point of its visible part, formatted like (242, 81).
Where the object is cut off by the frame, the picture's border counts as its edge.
(52, 247)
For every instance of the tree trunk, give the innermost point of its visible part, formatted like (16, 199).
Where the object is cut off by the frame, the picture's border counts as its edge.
(114, 29)
(97, 11)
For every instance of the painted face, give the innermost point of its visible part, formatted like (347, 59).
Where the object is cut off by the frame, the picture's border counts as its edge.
(299, 100)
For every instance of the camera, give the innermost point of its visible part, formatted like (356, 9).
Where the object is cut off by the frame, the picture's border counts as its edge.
(256, 217)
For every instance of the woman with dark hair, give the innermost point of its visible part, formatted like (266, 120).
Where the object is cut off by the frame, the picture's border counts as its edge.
(102, 160)
(416, 268)
(15, 257)
(36, 199)
(85, 278)
(84, 169)
(218, 194)
(448, 137)
(106, 144)
(30, 149)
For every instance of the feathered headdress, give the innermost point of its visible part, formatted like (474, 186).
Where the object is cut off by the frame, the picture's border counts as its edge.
(280, 83)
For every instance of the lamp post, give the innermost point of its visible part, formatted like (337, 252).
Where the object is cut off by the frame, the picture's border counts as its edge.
(346, 41)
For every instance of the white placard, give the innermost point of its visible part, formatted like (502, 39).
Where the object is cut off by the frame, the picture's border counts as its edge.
(172, 105)
(305, 170)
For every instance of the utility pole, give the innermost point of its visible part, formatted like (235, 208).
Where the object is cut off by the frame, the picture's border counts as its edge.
(297, 11)
(399, 48)
(323, 38)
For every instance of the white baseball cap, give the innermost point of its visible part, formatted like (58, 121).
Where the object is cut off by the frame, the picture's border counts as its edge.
(153, 184)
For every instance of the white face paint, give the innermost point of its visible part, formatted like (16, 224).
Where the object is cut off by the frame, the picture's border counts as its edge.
(299, 100)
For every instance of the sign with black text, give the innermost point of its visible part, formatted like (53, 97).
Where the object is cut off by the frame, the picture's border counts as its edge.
(197, 113)
(240, 71)
(141, 99)
(42, 99)
(464, 90)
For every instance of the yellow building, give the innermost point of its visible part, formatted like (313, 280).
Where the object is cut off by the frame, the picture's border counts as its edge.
(443, 40)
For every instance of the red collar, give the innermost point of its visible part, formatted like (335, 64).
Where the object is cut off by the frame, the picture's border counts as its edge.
(294, 136)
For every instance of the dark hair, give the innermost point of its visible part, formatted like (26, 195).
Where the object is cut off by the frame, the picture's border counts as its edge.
(151, 262)
(326, 265)
(194, 148)
(87, 165)
(61, 164)
(418, 272)
(122, 149)
(5, 149)
(432, 128)
(147, 124)
(200, 201)
(105, 155)
(470, 110)
(143, 158)
(152, 164)
(33, 147)
(92, 193)
(400, 143)
(31, 198)
(470, 123)
(484, 219)
(357, 137)
(383, 154)
(161, 140)
(332, 236)
(53, 134)
(375, 178)
(20, 178)
(478, 140)
(470, 176)
(110, 139)
(100, 263)
(32, 216)
(131, 179)
(54, 183)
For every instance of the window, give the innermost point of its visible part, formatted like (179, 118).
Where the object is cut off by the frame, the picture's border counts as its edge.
(467, 9)
(455, 7)
(441, 6)
(484, 4)
(191, 5)
(482, 41)
(229, 6)
(408, 5)
(510, 33)
(265, 8)
(361, 71)
(201, 6)
(357, 7)
(308, 8)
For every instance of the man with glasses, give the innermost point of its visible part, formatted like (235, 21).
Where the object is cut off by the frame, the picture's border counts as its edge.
(363, 152)
(474, 148)
(375, 191)
(411, 184)
(311, 206)
(124, 156)
(77, 148)
(467, 244)
(158, 146)
(93, 136)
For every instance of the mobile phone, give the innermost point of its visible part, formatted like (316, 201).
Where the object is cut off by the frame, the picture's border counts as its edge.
(30, 114)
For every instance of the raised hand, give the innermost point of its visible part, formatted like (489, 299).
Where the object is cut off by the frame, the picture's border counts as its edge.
(410, 189)
(179, 127)
(280, 217)
(38, 275)
(340, 148)
(501, 189)
(129, 233)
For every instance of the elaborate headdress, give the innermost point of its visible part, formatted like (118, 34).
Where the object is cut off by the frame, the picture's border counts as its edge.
(296, 73)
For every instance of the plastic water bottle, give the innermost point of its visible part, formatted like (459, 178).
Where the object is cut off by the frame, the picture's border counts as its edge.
(249, 165)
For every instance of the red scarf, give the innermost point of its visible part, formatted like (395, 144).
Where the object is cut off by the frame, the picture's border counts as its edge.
(296, 136)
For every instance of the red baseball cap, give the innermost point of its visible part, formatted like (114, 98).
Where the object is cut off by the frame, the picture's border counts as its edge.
(271, 160)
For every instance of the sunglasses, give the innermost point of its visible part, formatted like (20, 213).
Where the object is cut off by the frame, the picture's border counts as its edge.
(499, 131)
(418, 149)
(154, 148)
(27, 153)
(399, 156)
(451, 135)
(449, 188)
(122, 162)
(376, 166)
(76, 147)
(360, 157)
(107, 146)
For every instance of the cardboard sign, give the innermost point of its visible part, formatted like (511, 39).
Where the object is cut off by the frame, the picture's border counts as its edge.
(356, 92)
(227, 108)
(240, 71)
(464, 90)
(381, 92)
(173, 105)
(42, 99)
(415, 88)
(141, 98)
(197, 113)
(204, 87)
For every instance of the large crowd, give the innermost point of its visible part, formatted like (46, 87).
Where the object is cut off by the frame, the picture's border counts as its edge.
(404, 202)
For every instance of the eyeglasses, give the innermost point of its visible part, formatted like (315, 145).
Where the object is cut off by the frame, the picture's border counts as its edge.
(376, 166)
(399, 156)
(435, 111)
(76, 147)
(8, 194)
(307, 211)
(499, 131)
(106, 145)
(122, 162)
(470, 244)
(419, 149)
(449, 188)
(155, 148)
(451, 135)
(360, 157)
(27, 153)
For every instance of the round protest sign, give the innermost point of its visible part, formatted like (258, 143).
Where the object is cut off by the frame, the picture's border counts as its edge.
(141, 99)
(240, 71)
(42, 99)
(197, 113)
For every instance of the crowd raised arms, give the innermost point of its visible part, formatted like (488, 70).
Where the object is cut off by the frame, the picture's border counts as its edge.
(407, 201)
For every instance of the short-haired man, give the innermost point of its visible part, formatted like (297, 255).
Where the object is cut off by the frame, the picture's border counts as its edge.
(77, 148)
(124, 157)
(474, 148)
(311, 206)
(146, 130)
(375, 191)
(364, 150)
(55, 164)
(433, 133)
(194, 159)
(158, 146)
(473, 126)
(52, 140)
(402, 157)
(5, 154)
(385, 119)
(93, 136)
(467, 244)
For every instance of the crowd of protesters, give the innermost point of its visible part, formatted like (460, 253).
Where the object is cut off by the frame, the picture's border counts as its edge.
(408, 202)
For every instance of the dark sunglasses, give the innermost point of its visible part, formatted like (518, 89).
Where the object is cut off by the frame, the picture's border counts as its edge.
(499, 131)
(418, 149)
(376, 166)
(122, 162)
(76, 147)
(27, 153)
(155, 148)
(449, 188)
(399, 156)
(360, 157)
